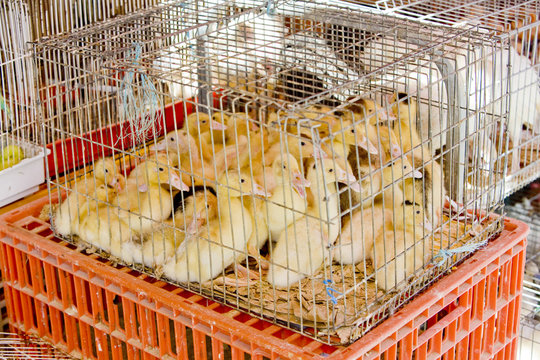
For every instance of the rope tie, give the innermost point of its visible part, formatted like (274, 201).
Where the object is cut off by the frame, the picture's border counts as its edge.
(141, 108)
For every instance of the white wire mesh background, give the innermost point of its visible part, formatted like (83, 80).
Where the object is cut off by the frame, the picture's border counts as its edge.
(524, 205)
(316, 93)
(519, 22)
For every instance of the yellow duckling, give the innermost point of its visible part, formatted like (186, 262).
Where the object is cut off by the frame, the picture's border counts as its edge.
(404, 109)
(359, 232)
(67, 217)
(393, 175)
(400, 249)
(160, 245)
(370, 110)
(205, 255)
(428, 190)
(288, 196)
(303, 246)
(144, 204)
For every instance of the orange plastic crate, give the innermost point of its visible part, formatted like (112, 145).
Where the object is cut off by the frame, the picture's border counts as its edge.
(90, 308)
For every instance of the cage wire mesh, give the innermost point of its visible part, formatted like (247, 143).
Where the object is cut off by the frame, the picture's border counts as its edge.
(19, 125)
(517, 22)
(320, 166)
(17, 347)
(524, 205)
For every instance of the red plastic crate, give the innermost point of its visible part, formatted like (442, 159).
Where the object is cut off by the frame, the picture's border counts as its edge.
(89, 308)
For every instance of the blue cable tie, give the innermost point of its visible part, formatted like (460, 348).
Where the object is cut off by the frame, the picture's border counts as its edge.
(445, 254)
(330, 289)
(270, 8)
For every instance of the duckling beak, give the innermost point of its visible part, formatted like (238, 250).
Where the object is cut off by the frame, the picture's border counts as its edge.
(349, 179)
(395, 150)
(414, 174)
(195, 223)
(300, 183)
(176, 181)
(258, 190)
(367, 145)
(214, 125)
(160, 146)
(427, 225)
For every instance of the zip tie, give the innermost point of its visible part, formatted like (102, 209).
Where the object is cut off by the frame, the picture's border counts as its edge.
(446, 254)
(329, 291)
(270, 7)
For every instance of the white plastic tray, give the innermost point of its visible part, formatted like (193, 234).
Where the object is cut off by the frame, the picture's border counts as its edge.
(25, 177)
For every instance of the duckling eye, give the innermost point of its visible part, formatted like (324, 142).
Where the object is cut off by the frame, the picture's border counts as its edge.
(330, 170)
(171, 138)
(353, 130)
(107, 171)
(203, 121)
(303, 143)
(242, 180)
(285, 167)
(418, 212)
(160, 169)
(405, 166)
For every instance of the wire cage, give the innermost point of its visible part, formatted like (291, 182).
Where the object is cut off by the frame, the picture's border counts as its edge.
(517, 22)
(525, 205)
(318, 167)
(21, 165)
(15, 347)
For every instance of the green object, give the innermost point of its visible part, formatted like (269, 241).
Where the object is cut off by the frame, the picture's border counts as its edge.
(11, 155)
(4, 107)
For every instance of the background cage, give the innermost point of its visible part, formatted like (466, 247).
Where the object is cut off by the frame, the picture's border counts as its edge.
(260, 66)
(517, 23)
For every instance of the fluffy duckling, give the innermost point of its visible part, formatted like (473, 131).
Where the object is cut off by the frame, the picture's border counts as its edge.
(428, 190)
(162, 243)
(392, 178)
(288, 196)
(404, 108)
(400, 249)
(369, 177)
(145, 203)
(359, 232)
(370, 110)
(67, 217)
(303, 247)
(205, 255)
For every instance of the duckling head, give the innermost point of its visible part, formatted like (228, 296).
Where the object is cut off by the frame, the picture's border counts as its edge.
(357, 134)
(287, 171)
(161, 174)
(177, 141)
(203, 206)
(400, 168)
(105, 169)
(415, 216)
(239, 184)
(403, 106)
(327, 171)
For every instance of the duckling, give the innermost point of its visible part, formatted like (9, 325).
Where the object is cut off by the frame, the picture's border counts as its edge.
(66, 217)
(288, 196)
(369, 176)
(392, 178)
(370, 110)
(303, 246)
(360, 229)
(215, 247)
(429, 190)
(405, 109)
(143, 204)
(400, 249)
(162, 243)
